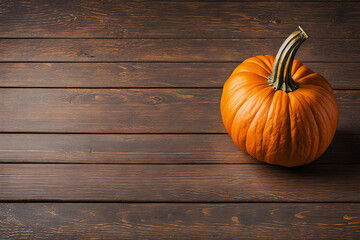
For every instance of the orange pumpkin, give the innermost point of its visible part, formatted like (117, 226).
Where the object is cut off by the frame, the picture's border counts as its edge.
(277, 109)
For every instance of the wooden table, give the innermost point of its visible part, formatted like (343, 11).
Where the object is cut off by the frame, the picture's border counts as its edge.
(111, 129)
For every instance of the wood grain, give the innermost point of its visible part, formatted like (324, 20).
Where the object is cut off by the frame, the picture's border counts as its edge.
(179, 183)
(148, 149)
(108, 110)
(143, 19)
(170, 50)
(179, 221)
(131, 110)
(112, 75)
(121, 148)
(110, 124)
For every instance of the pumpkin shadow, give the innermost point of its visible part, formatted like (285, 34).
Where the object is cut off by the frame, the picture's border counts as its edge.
(336, 162)
(344, 149)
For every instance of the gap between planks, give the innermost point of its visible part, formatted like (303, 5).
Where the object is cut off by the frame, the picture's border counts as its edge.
(168, 202)
(192, 61)
(144, 88)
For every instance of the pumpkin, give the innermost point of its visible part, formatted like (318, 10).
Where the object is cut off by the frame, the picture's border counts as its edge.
(277, 109)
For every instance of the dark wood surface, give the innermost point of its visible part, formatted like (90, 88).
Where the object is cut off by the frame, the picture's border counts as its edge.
(148, 75)
(179, 183)
(169, 50)
(176, 19)
(110, 124)
(149, 149)
(131, 110)
(179, 221)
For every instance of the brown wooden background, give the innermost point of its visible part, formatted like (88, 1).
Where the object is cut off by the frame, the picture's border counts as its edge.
(111, 129)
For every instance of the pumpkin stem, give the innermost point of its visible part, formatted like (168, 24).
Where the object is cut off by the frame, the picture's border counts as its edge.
(281, 78)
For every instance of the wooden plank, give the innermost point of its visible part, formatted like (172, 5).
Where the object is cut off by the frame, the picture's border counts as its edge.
(179, 221)
(188, 50)
(143, 19)
(120, 74)
(109, 110)
(131, 110)
(121, 148)
(179, 183)
(148, 148)
(112, 75)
